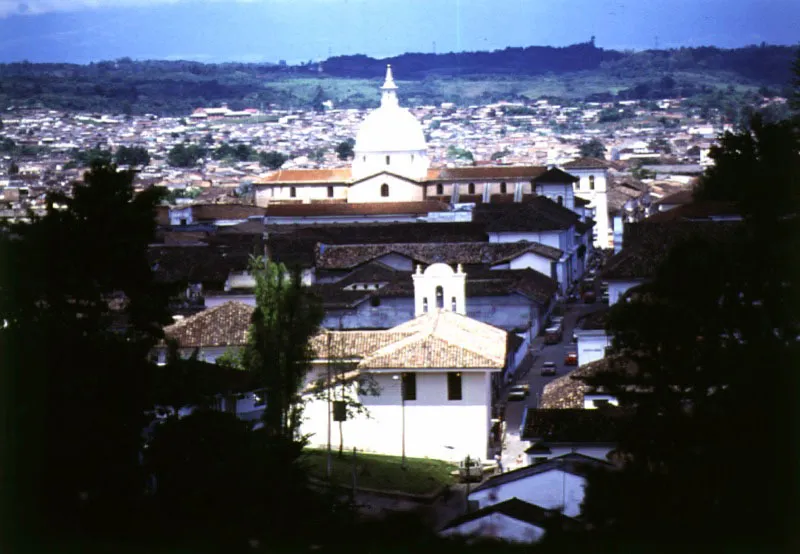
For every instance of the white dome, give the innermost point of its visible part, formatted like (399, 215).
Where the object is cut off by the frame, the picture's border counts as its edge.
(390, 129)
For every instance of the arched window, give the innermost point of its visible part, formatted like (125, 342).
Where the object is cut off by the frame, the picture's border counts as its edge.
(471, 188)
(591, 182)
(453, 304)
(503, 188)
(424, 305)
(439, 297)
(330, 192)
(440, 189)
(292, 192)
(388, 160)
(384, 190)
(560, 200)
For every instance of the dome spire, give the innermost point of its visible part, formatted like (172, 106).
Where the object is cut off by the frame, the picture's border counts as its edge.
(389, 88)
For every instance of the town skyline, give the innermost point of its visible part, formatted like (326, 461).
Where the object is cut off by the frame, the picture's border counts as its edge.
(312, 30)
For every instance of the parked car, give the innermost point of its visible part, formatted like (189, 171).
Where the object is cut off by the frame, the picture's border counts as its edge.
(571, 358)
(470, 469)
(549, 368)
(556, 321)
(518, 392)
(552, 335)
(589, 297)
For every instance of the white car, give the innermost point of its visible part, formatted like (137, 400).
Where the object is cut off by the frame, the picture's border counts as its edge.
(549, 368)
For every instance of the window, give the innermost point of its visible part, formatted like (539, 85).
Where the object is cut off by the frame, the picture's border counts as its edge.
(503, 188)
(424, 305)
(454, 386)
(440, 189)
(471, 188)
(439, 297)
(330, 192)
(375, 301)
(388, 160)
(409, 386)
(183, 221)
(591, 182)
(384, 190)
(453, 304)
(292, 192)
(560, 200)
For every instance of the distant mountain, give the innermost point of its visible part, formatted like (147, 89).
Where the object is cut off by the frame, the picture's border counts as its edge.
(768, 65)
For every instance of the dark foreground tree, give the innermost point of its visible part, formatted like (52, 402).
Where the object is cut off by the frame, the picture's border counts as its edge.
(80, 312)
(592, 149)
(344, 150)
(708, 353)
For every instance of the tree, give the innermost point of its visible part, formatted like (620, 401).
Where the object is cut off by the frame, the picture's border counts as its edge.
(344, 150)
(278, 352)
(185, 155)
(593, 149)
(317, 102)
(272, 159)
(80, 311)
(690, 357)
(13, 168)
(132, 155)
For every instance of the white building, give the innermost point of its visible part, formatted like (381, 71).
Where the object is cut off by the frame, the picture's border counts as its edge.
(592, 185)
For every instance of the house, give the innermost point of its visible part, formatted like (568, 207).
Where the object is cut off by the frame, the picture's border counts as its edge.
(592, 337)
(512, 520)
(431, 378)
(556, 484)
(571, 392)
(556, 432)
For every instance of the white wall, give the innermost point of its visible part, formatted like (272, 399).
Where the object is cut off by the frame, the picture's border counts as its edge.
(597, 452)
(432, 422)
(548, 238)
(214, 301)
(400, 190)
(554, 190)
(532, 261)
(303, 193)
(591, 346)
(412, 164)
(498, 526)
(598, 201)
(550, 490)
(617, 288)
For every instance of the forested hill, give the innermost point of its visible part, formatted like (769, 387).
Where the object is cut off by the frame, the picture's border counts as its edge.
(769, 65)
(577, 72)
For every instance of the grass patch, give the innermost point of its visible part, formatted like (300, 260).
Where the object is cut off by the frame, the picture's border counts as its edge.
(374, 471)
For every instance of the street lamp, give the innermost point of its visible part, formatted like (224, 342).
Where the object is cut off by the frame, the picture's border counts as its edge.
(403, 416)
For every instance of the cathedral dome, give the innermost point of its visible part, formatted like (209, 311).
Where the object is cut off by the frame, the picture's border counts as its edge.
(390, 128)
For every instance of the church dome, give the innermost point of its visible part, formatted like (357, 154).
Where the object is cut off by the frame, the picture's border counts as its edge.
(390, 128)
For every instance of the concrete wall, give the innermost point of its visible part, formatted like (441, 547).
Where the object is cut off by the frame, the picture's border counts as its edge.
(592, 346)
(432, 422)
(550, 490)
(304, 193)
(400, 190)
(617, 288)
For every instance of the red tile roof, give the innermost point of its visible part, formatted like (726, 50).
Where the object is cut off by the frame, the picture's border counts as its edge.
(480, 173)
(307, 176)
(586, 163)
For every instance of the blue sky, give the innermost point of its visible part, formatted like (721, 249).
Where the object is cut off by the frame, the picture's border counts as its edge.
(81, 31)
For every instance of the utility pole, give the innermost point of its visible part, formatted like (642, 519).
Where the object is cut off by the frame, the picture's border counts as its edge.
(403, 410)
(329, 469)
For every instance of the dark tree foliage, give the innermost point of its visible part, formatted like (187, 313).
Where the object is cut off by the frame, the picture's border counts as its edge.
(185, 155)
(593, 149)
(239, 152)
(272, 159)
(705, 355)
(92, 156)
(81, 312)
(13, 168)
(344, 150)
(132, 155)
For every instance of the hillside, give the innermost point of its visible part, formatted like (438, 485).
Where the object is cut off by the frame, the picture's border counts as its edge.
(577, 72)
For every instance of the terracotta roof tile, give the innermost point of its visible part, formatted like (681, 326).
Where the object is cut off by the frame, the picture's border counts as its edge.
(224, 325)
(568, 391)
(468, 253)
(478, 173)
(586, 163)
(307, 176)
(573, 425)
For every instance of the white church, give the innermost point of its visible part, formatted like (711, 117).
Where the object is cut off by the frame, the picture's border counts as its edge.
(391, 165)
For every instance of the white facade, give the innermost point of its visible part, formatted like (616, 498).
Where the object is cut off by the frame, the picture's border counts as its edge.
(440, 287)
(599, 452)
(431, 426)
(390, 139)
(553, 490)
(618, 288)
(385, 187)
(592, 345)
(593, 186)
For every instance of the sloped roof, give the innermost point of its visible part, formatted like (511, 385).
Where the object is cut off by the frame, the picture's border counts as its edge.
(345, 256)
(521, 511)
(572, 463)
(572, 425)
(556, 175)
(480, 173)
(356, 208)
(442, 340)
(192, 263)
(690, 211)
(586, 163)
(568, 391)
(224, 325)
(307, 176)
(536, 213)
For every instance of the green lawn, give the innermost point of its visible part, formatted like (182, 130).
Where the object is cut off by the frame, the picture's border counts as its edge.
(421, 476)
